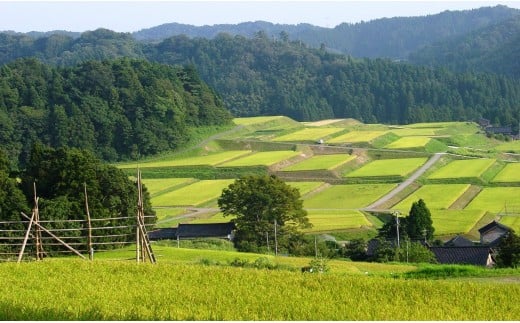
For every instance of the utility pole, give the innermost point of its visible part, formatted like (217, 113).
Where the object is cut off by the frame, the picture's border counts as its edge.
(396, 214)
(275, 240)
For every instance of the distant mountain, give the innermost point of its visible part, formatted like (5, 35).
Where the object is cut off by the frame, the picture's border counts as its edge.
(393, 38)
(494, 49)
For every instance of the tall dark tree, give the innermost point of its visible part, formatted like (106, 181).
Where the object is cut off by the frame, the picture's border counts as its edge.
(258, 202)
(419, 223)
(509, 251)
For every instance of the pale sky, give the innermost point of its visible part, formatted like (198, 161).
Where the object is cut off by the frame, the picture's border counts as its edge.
(129, 16)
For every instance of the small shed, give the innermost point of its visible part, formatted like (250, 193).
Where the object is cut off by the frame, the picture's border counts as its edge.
(491, 233)
(476, 255)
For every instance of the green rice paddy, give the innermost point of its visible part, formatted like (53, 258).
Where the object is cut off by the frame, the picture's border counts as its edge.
(210, 159)
(309, 134)
(194, 194)
(388, 167)
(357, 136)
(409, 143)
(156, 186)
(330, 220)
(497, 199)
(347, 196)
(321, 162)
(509, 174)
(472, 168)
(436, 196)
(265, 158)
(254, 120)
(448, 222)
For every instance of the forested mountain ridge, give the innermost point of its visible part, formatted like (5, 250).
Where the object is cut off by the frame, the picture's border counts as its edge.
(118, 109)
(495, 49)
(260, 76)
(393, 38)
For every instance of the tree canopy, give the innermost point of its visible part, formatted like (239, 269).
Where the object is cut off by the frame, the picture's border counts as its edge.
(258, 202)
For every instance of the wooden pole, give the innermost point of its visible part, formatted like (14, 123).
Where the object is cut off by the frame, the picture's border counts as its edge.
(20, 256)
(137, 234)
(55, 237)
(38, 232)
(275, 240)
(89, 226)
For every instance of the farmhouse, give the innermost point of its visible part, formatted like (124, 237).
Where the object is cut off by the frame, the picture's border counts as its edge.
(193, 231)
(476, 255)
(459, 241)
(491, 233)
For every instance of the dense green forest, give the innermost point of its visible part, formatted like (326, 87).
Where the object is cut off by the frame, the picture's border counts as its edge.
(118, 109)
(494, 49)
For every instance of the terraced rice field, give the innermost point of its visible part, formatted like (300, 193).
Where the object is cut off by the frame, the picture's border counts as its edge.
(217, 218)
(253, 120)
(512, 146)
(321, 162)
(309, 134)
(407, 132)
(156, 186)
(388, 167)
(322, 122)
(472, 168)
(265, 158)
(330, 220)
(512, 221)
(210, 159)
(194, 194)
(509, 174)
(409, 143)
(436, 196)
(305, 187)
(497, 199)
(455, 221)
(347, 196)
(357, 137)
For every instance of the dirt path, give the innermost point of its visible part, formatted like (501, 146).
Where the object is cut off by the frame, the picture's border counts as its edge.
(406, 183)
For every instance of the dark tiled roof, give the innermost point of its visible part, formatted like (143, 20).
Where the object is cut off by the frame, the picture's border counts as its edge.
(459, 241)
(462, 255)
(492, 225)
(205, 230)
(163, 234)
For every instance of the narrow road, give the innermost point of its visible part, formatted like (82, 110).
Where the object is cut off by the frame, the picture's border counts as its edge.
(407, 182)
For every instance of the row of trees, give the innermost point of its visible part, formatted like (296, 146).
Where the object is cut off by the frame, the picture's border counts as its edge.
(118, 109)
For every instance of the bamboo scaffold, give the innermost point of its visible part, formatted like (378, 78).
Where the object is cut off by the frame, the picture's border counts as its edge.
(143, 245)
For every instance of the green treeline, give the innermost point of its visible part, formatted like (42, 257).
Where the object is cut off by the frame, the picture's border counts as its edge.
(262, 76)
(118, 109)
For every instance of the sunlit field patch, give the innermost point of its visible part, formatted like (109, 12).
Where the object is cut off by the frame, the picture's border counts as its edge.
(436, 196)
(305, 187)
(472, 168)
(266, 158)
(309, 134)
(253, 120)
(357, 136)
(509, 146)
(347, 196)
(512, 221)
(318, 162)
(455, 221)
(322, 122)
(210, 159)
(497, 199)
(388, 167)
(193, 194)
(409, 143)
(509, 174)
(157, 185)
(406, 131)
(330, 220)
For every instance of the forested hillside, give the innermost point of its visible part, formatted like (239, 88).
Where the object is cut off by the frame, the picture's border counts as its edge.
(494, 49)
(261, 77)
(118, 109)
(393, 38)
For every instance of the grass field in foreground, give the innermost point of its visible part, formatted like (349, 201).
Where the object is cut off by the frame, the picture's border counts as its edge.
(472, 168)
(210, 159)
(388, 167)
(357, 136)
(509, 174)
(455, 221)
(330, 220)
(125, 291)
(436, 196)
(309, 134)
(347, 196)
(193, 194)
(497, 199)
(266, 158)
(409, 143)
(319, 162)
